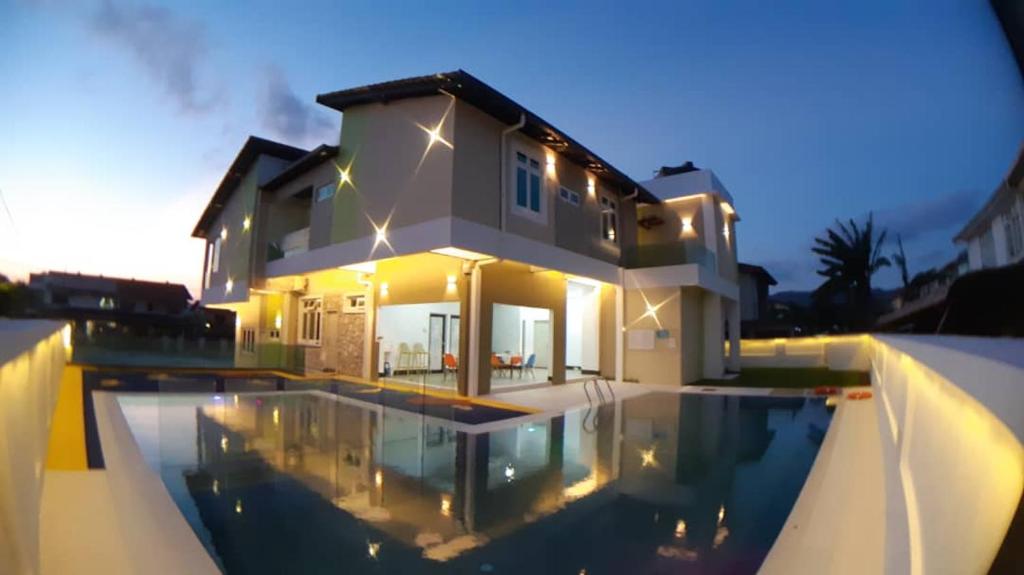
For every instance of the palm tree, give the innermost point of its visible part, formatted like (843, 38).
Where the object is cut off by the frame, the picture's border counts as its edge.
(850, 256)
(900, 259)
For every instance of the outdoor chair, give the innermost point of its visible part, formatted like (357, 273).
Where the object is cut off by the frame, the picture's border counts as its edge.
(449, 364)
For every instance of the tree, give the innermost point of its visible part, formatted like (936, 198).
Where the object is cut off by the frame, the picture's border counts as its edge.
(900, 258)
(850, 256)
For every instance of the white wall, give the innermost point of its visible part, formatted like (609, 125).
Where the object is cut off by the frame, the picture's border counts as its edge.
(507, 332)
(582, 323)
(410, 324)
(32, 359)
(951, 415)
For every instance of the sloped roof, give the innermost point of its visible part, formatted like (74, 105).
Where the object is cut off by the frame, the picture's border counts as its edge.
(468, 88)
(253, 148)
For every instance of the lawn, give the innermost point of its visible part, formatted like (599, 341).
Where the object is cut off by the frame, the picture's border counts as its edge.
(790, 377)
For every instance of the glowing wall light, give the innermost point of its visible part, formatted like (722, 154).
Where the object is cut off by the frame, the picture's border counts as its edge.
(378, 479)
(65, 334)
(647, 458)
(510, 472)
(550, 161)
(725, 231)
(278, 321)
(591, 186)
(384, 289)
(224, 443)
(344, 175)
(238, 322)
(446, 505)
(450, 282)
(372, 549)
(276, 415)
(687, 223)
(238, 506)
(223, 234)
(680, 532)
(229, 285)
(216, 487)
(721, 514)
(246, 223)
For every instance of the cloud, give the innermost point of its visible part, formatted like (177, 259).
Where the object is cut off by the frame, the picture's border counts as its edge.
(942, 213)
(289, 117)
(171, 49)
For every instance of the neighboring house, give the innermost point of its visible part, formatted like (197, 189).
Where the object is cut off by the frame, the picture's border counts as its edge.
(919, 307)
(994, 236)
(451, 226)
(105, 304)
(754, 307)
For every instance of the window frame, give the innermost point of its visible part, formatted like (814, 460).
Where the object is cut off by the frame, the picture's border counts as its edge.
(569, 196)
(534, 166)
(609, 206)
(316, 192)
(304, 328)
(248, 340)
(216, 255)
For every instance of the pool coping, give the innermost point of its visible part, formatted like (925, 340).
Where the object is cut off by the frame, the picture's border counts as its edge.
(157, 537)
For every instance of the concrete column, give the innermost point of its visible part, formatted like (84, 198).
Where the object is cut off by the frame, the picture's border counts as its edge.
(713, 336)
(473, 361)
(370, 350)
(732, 309)
(620, 314)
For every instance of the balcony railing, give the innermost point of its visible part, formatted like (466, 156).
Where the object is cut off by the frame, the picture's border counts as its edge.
(292, 243)
(669, 254)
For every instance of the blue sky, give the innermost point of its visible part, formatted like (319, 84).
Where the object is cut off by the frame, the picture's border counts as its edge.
(119, 118)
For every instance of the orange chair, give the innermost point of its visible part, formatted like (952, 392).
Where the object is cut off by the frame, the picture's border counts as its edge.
(450, 364)
(496, 364)
(515, 363)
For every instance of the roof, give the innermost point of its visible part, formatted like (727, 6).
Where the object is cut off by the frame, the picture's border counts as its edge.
(314, 158)
(757, 270)
(127, 289)
(997, 202)
(469, 89)
(252, 149)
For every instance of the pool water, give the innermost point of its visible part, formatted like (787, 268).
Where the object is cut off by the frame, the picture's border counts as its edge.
(311, 482)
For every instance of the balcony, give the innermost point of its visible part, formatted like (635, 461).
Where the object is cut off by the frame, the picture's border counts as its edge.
(669, 254)
(290, 244)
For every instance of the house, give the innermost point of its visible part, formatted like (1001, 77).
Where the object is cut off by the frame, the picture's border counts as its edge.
(994, 236)
(114, 305)
(454, 238)
(754, 305)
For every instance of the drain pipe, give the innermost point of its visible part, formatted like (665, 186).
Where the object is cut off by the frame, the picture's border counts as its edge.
(473, 364)
(501, 169)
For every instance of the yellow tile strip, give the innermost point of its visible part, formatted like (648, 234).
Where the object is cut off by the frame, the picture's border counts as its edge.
(66, 451)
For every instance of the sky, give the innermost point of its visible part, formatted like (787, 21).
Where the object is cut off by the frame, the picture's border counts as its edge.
(118, 118)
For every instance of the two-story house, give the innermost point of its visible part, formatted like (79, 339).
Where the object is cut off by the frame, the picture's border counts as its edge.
(994, 236)
(455, 238)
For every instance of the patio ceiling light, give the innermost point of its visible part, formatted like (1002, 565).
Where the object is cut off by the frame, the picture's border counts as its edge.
(461, 254)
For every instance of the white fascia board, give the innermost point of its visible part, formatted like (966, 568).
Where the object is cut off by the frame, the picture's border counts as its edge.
(693, 275)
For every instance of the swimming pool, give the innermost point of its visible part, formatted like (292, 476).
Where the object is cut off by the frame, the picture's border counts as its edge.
(314, 482)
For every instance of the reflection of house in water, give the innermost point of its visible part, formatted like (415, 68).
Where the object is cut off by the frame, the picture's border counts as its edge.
(405, 486)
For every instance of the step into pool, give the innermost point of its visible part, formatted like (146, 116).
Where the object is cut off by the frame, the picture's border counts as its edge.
(313, 482)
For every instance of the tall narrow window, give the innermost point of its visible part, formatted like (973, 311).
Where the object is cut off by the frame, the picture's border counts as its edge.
(209, 265)
(249, 340)
(609, 219)
(310, 320)
(529, 182)
(216, 255)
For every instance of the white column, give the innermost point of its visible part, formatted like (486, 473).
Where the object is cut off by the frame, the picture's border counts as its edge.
(713, 336)
(370, 363)
(473, 369)
(733, 313)
(620, 321)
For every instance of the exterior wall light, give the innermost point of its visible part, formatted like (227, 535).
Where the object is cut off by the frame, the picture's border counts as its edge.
(551, 163)
(446, 505)
(378, 479)
(228, 286)
(450, 285)
(384, 289)
(278, 320)
(276, 416)
(687, 223)
(224, 234)
(591, 187)
(246, 223)
(725, 231)
(343, 175)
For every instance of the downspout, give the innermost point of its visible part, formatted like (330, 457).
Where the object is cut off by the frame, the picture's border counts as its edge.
(501, 169)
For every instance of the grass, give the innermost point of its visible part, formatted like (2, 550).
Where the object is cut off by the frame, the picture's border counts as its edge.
(790, 377)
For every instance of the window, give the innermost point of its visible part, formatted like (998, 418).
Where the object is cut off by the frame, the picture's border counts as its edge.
(248, 340)
(354, 303)
(310, 320)
(568, 196)
(529, 178)
(1014, 233)
(609, 219)
(325, 192)
(216, 255)
(209, 265)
